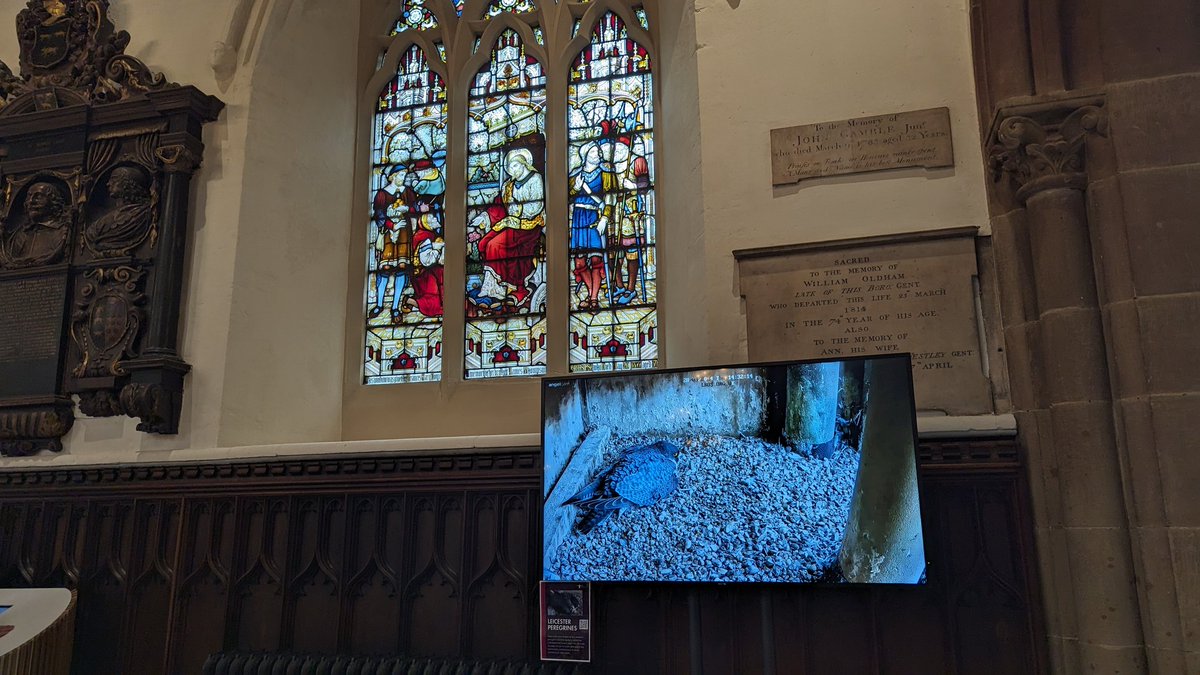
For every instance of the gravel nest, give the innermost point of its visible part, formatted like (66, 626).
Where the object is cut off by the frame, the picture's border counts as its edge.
(745, 510)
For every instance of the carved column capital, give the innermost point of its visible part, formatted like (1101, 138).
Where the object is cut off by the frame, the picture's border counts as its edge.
(178, 159)
(1044, 153)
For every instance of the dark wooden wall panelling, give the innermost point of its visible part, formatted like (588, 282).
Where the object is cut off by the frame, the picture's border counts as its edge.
(439, 556)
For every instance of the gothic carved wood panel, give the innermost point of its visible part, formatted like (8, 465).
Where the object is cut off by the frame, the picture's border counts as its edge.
(439, 555)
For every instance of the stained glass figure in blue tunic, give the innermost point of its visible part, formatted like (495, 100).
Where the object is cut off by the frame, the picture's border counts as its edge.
(591, 215)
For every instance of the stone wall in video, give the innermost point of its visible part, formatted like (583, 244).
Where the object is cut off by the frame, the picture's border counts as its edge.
(785, 473)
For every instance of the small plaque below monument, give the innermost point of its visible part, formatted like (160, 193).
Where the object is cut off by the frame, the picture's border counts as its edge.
(900, 140)
(880, 295)
(31, 328)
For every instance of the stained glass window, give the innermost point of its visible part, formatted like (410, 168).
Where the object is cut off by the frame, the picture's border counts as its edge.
(415, 16)
(404, 246)
(506, 215)
(606, 227)
(639, 12)
(614, 317)
(498, 6)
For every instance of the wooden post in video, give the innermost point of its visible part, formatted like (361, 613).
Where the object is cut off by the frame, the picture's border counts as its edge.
(883, 534)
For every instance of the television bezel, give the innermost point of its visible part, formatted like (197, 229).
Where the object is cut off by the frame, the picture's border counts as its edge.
(921, 479)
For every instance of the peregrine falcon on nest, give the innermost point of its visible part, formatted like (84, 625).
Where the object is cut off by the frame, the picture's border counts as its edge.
(641, 476)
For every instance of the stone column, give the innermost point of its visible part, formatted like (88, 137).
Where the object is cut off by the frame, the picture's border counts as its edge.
(1139, 187)
(1061, 388)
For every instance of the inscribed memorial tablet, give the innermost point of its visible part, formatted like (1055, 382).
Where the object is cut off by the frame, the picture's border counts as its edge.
(31, 327)
(880, 295)
(918, 138)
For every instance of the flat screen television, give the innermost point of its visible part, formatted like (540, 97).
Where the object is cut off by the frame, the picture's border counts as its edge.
(800, 472)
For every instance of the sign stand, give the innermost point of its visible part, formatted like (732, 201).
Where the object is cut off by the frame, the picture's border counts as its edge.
(566, 621)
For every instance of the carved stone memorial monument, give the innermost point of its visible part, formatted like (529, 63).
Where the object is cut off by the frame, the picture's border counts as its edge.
(880, 295)
(96, 158)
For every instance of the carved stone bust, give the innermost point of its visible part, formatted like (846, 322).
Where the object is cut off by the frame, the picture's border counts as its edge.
(129, 215)
(40, 233)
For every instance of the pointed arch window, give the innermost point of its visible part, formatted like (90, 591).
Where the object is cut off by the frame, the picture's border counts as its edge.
(506, 215)
(613, 242)
(405, 250)
(470, 157)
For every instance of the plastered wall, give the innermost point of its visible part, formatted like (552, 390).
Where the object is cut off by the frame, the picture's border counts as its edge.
(765, 65)
(267, 293)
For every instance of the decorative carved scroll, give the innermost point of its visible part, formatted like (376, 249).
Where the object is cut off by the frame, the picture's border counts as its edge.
(178, 159)
(71, 53)
(97, 157)
(100, 403)
(152, 403)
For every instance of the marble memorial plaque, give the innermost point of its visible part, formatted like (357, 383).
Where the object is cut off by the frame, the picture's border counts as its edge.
(882, 295)
(900, 140)
(31, 329)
